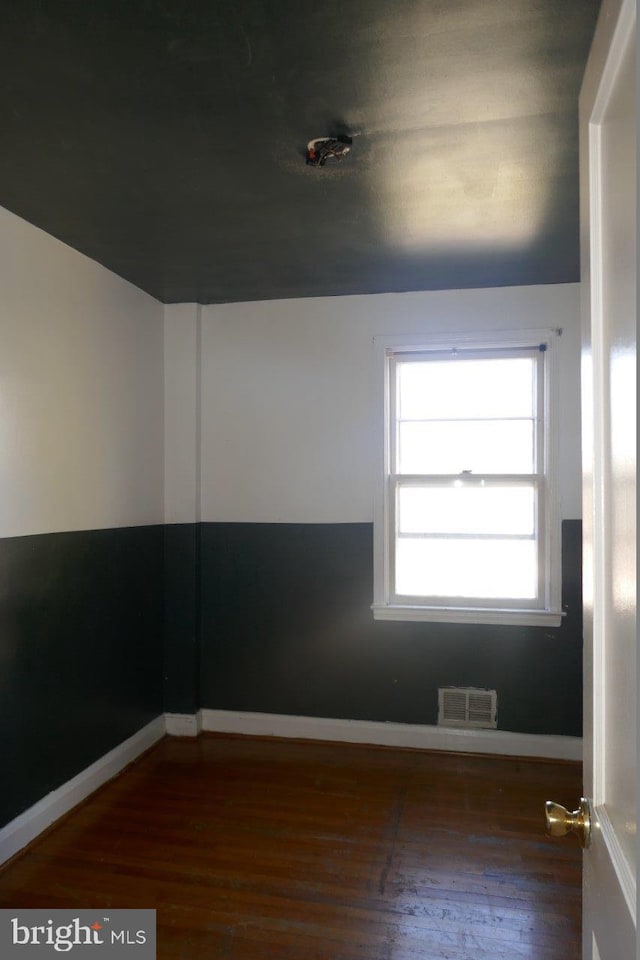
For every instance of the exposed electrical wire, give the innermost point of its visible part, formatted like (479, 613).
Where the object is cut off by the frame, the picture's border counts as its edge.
(327, 148)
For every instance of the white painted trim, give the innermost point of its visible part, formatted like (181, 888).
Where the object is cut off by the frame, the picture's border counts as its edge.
(600, 489)
(28, 825)
(617, 857)
(373, 732)
(521, 618)
(623, 33)
(385, 605)
(486, 339)
(609, 885)
(183, 724)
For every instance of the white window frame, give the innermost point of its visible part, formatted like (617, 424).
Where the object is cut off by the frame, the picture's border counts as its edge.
(385, 605)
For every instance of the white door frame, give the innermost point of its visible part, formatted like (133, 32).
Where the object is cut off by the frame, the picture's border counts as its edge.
(609, 880)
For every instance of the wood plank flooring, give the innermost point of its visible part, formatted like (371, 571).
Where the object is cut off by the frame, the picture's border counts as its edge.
(252, 849)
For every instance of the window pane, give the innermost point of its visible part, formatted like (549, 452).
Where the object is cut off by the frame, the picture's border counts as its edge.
(438, 389)
(466, 568)
(492, 446)
(468, 509)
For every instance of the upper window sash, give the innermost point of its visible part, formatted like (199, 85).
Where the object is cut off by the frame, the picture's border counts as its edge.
(496, 428)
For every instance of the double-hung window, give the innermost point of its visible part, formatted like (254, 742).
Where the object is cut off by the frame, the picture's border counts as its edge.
(466, 527)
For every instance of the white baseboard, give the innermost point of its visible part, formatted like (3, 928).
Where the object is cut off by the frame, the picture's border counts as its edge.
(26, 827)
(500, 742)
(183, 724)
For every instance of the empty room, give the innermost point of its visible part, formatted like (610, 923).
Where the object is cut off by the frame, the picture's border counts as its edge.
(317, 479)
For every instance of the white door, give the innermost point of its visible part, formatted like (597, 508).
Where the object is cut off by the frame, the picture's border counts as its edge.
(608, 254)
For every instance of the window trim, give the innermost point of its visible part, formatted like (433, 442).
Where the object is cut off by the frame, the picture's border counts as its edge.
(387, 607)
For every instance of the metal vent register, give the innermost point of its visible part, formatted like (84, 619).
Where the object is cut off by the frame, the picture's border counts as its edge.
(466, 707)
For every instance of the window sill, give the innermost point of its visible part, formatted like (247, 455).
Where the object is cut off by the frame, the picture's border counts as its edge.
(523, 618)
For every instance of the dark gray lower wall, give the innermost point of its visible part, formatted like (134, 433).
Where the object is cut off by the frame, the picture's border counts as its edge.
(259, 617)
(80, 652)
(286, 627)
(181, 618)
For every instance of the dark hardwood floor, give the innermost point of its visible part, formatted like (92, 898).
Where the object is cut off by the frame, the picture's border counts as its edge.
(252, 849)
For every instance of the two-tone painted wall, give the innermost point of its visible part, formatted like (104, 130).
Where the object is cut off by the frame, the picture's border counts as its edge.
(186, 504)
(81, 512)
(270, 468)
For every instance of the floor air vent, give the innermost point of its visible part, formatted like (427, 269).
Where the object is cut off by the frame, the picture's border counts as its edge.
(466, 707)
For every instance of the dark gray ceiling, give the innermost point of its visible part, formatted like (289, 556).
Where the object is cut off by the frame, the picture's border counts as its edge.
(165, 139)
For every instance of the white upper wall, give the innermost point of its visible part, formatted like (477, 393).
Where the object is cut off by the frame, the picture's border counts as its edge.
(287, 395)
(181, 413)
(269, 406)
(81, 390)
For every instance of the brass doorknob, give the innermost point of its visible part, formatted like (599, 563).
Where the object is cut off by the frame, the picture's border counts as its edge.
(560, 822)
